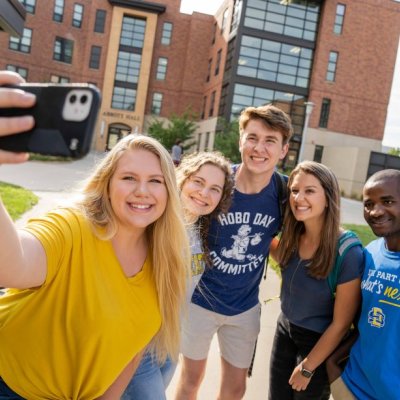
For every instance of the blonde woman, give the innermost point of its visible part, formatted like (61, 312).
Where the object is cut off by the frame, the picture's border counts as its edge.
(205, 182)
(94, 283)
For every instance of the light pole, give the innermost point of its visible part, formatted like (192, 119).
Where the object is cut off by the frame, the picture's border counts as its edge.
(309, 107)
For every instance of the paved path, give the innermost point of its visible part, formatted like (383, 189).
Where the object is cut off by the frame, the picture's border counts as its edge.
(56, 182)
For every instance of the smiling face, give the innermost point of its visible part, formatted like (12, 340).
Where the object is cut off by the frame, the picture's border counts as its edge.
(261, 148)
(137, 190)
(382, 208)
(202, 191)
(307, 198)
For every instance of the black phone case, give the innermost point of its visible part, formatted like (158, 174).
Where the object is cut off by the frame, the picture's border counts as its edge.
(52, 134)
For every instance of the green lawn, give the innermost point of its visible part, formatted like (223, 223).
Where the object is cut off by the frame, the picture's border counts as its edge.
(16, 199)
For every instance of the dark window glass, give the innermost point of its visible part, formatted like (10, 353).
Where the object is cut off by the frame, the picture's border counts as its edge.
(100, 21)
(63, 50)
(22, 44)
(324, 116)
(77, 16)
(29, 5)
(156, 103)
(318, 153)
(203, 110)
(58, 11)
(218, 62)
(214, 33)
(166, 33)
(209, 70)
(339, 18)
(19, 70)
(95, 54)
(212, 104)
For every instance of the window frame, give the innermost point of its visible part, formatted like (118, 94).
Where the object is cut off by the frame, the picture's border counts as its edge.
(77, 23)
(63, 57)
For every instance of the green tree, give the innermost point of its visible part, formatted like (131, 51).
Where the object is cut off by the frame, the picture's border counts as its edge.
(178, 127)
(394, 152)
(227, 139)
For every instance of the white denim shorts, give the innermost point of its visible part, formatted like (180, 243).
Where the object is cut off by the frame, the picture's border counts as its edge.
(237, 334)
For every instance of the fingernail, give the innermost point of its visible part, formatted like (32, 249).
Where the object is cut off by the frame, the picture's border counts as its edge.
(29, 96)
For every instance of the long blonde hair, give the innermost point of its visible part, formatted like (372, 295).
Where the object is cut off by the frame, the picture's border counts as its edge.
(324, 257)
(168, 242)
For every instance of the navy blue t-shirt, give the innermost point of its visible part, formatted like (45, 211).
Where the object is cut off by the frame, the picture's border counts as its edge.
(239, 244)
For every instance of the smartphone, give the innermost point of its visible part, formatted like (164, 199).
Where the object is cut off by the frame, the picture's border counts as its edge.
(65, 116)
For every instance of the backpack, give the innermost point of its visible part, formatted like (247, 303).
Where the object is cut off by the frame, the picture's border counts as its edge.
(346, 241)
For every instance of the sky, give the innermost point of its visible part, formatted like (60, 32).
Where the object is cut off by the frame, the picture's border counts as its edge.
(392, 129)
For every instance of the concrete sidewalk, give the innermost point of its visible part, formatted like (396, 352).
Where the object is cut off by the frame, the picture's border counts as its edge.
(55, 183)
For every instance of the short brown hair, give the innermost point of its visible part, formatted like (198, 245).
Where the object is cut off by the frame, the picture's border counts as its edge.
(271, 116)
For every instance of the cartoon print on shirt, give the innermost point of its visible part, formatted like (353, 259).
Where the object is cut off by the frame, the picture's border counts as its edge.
(241, 242)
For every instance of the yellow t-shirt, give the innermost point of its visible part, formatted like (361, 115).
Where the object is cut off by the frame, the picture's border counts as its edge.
(72, 337)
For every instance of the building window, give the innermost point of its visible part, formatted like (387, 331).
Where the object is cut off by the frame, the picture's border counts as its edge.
(22, 44)
(132, 34)
(214, 33)
(95, 54)
(331, 71)
(237, 10)
(224, 20)
(209, 70)
(100, 21)
(340, 11)
(19, 70)
(324, 116)
(318, 153)
(128, 64)
(166, 33)
(212, 101)
(156, 103)
(207, 144)
(123, 98)
(29, 5)
(77, 17)
(161, 68)
(63, 50)
(203, 110)
(218, 62)
(297, 19)
(58, 11)
(274, 61)
(59, 79)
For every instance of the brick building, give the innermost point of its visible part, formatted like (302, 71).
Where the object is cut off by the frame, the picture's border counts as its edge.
(150, 61)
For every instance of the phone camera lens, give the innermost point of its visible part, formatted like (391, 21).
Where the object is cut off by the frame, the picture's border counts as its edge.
(84, 99)
(72, 99)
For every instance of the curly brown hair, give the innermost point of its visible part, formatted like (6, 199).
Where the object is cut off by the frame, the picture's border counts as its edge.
(189, 165)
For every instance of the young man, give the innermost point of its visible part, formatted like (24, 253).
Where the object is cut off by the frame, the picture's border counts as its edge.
(373, 369)
(226, 299)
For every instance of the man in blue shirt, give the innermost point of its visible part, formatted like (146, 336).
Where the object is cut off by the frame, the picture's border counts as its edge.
(373, 369)
(226, 300)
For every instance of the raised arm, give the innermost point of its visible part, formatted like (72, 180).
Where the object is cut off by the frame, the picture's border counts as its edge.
(14, 98)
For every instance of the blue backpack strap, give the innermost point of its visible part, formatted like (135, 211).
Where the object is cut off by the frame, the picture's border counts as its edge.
(346, 241)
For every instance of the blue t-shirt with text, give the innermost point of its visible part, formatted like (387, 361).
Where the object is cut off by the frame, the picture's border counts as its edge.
(239, 243)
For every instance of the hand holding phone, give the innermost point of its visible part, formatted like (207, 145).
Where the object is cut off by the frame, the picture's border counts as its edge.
(65, 117)
(14, 98)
